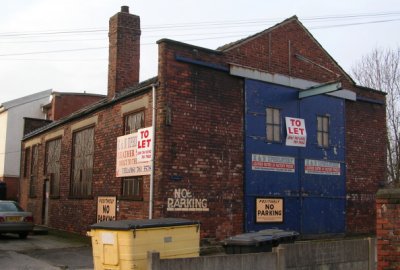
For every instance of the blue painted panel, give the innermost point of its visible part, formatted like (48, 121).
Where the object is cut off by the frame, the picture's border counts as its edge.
(313, 203)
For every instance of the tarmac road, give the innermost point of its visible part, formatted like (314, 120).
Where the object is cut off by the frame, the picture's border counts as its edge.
(53, 251)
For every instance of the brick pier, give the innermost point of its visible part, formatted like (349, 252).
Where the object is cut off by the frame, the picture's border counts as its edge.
(388, 229)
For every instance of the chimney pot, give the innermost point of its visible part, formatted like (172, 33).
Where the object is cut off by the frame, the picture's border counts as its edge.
(125, 9)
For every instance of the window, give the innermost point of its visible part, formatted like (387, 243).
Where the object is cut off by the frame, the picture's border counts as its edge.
(133, 122)
(82, 163)
(34, 171)
(323, 131)
(52, 165)
(26, 162)
(273, 125)
(132, 187)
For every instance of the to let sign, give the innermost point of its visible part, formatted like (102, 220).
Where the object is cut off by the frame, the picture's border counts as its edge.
(296, 132)
(144, 144)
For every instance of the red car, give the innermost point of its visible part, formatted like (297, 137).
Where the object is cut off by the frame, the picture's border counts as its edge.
(13, 219)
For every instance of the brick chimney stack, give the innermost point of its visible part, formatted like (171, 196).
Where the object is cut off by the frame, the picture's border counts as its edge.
(124, 51)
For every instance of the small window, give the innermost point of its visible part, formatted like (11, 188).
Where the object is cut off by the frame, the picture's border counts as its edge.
(34, 171)
(132, 187)
(133, 122)
(273, 124)
(52, 165)
(323, 131)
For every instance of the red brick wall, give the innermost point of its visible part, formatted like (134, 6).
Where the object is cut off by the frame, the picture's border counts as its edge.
(388, 228)
(124, 51)
(203, 144)
(73, 214)
(12, 186)
(65, 104)
(275, 52)
(366, 163)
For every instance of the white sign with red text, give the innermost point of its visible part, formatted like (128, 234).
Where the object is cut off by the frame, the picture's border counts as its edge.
(272, 163)
(296, 132)
(321, 167)
(133, 154)
(144, 144)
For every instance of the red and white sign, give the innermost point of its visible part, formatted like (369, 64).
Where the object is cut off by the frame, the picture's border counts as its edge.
(134, 153)
(272, 163)
(144, 144)
(321, 167)
(296, 132)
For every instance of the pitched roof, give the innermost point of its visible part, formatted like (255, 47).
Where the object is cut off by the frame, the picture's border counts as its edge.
(128, 92)
(294, 18)
(233, 44)
(26, 99)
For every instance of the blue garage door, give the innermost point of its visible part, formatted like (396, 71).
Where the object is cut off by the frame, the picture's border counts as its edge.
(292, 187)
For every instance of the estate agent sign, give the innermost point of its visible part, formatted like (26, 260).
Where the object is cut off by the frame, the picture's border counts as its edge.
(296, 132)
(134, 152)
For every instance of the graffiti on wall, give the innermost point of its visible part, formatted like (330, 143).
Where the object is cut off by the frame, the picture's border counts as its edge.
(184, 200)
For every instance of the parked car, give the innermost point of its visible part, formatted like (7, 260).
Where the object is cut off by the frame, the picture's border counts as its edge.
(13, 219)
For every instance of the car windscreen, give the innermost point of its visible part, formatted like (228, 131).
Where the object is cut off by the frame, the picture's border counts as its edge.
(10, 207)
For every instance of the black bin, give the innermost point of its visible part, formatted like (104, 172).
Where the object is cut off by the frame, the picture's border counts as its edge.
(280, 236)
(3, 190)
(248, 243)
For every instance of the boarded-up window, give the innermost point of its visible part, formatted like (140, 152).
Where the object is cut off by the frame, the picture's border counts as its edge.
(132, 187)
(34, 171)
(273, 125)
(52, 166)
(82, 163)
(133, 122)
(26, 161)
(323, 131)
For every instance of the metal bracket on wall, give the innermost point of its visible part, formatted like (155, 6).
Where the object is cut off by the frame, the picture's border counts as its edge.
(320, 89)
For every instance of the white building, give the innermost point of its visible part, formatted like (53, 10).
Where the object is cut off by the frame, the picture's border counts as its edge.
(12, 115)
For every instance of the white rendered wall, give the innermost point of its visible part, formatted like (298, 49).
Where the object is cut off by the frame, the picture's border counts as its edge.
(15, 126)
(3, 131)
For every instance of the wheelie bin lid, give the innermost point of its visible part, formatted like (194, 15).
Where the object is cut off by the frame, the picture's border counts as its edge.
(133, 224)
(278, 233)
(248, 239)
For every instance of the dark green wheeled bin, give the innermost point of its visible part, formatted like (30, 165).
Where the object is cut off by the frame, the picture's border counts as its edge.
(280, 236)
(248, 243)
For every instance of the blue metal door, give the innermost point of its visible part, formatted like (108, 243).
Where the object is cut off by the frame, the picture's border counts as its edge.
(314, 201)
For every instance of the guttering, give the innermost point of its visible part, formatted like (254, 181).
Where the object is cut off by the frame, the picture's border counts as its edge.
(153, 124)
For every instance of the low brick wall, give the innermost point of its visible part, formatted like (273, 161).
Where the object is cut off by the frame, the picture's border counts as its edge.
(388, 228)
(347, 254)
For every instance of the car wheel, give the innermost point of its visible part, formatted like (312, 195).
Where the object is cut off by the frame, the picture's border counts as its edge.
(23, 235)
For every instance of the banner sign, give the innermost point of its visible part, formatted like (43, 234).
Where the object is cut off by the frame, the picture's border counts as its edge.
(134, 153)
(106, 206)
(272, 163)
(296, 132)
(269, 210)
(321, 167)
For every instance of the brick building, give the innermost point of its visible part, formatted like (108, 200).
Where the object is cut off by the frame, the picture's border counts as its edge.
(222, 153)
(19, 116)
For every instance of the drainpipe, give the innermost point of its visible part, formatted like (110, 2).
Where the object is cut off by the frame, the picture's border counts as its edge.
(153, 124)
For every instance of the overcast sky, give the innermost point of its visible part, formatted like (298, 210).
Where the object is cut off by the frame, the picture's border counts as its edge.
(63, 44)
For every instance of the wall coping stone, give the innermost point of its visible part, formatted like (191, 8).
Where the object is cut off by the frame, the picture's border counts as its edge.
(392, 193)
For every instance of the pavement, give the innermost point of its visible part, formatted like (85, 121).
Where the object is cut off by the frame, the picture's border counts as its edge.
(52, 250)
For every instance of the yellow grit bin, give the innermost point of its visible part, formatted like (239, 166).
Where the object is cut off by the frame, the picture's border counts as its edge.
(123, 244)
